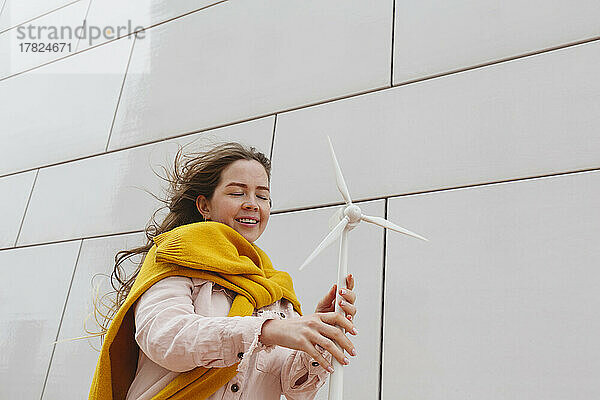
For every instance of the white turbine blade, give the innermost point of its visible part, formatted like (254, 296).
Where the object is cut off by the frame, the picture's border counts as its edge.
(389, 225)
(339, 178)
(329, 239)
(336, 218)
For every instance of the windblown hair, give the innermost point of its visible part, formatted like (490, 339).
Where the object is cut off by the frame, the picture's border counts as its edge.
(193, 174)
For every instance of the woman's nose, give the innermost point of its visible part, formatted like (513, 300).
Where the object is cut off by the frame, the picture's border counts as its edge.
(250, 206)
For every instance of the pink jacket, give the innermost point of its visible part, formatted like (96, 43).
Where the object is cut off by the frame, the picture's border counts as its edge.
(182, 323)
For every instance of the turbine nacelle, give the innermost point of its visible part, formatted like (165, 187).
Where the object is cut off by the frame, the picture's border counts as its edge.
(353, 213)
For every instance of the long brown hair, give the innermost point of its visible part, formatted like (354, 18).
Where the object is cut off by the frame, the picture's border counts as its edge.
(193, 174)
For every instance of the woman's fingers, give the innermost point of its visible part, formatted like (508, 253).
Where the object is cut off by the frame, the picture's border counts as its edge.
(327, 303)
(350, 281)
(332, 332)
(348, 308)
(335, 318)
(348, 298)
(317, 356)
(348, 295)
(329, 298)
(303, 333)
(327, 338)
(332, 348)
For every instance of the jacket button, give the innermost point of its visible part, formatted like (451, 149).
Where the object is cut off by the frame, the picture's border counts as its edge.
(240, 355)
(315, 364)
(235, 387)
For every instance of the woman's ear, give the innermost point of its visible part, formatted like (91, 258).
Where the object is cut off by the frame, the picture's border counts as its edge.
(202, 206)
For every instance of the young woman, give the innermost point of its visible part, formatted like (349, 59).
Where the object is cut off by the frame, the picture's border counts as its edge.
(206, 316)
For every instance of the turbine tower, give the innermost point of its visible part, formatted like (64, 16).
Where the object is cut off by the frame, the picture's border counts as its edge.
(343, 221)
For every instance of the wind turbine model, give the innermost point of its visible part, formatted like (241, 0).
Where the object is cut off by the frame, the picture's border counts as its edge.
(352, 216)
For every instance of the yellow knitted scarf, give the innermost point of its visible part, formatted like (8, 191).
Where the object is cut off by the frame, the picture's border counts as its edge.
(207, 250)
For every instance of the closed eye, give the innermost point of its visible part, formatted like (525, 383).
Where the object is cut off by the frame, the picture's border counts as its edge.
(241, 194)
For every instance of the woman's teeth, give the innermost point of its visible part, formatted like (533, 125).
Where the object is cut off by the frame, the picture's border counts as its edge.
(247, 221)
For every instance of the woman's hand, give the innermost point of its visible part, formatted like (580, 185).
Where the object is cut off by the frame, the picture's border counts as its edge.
(306, 332)
(347, 302)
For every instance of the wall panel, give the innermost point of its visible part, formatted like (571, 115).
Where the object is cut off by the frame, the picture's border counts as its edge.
(502, 302)
(62, 110)
(15, 12)
(197, 72)
(35, 281)
(144, 13)
(58, 27)
(528, 117)
(433, 37)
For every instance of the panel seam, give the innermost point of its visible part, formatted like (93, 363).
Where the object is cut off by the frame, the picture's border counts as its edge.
(37, 172)
(273, 138)
(324, 205)
(393, 33)
(112, 125)
(87, 12)
(381, 327)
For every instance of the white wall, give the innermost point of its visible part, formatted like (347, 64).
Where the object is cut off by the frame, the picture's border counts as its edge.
(475, 124)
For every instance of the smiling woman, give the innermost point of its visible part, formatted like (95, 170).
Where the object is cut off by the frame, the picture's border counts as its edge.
(241, 199)
(206, 314)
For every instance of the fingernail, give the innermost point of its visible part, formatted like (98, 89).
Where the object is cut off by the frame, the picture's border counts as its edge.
(330, 369)
(354, 331)
(343, 291)
(350, 317)
(342, 303)
(353, 352)
(346, 361)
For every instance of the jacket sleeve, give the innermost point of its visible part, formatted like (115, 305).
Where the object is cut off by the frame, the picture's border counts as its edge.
(173, 335)
(297, 365)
